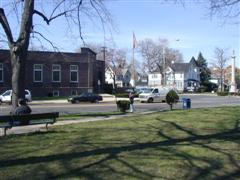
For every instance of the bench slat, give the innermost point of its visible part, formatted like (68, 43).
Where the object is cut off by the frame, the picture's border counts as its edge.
(7, 118)
(9, 121)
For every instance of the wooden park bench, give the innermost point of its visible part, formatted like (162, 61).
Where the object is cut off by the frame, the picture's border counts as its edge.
(9, 121)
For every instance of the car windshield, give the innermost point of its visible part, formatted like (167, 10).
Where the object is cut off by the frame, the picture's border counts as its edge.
(7, 93)
(147, 90)
(83, 94)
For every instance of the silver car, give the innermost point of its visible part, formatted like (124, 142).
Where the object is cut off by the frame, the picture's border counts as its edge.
(6, 97)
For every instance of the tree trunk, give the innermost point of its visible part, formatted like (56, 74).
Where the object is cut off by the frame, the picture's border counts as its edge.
(19, 51)
(18, 77)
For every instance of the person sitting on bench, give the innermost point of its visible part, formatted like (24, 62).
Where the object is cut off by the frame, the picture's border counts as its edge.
(22, 109)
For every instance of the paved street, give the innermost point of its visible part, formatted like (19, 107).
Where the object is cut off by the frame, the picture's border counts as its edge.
(109, 105)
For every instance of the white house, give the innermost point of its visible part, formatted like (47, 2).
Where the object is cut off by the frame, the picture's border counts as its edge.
(109, 75)
(184, 76)
(155, 78)
(121, 77)
(181, 76)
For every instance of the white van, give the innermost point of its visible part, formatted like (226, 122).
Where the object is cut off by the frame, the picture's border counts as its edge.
(153, 95)
(6, 97)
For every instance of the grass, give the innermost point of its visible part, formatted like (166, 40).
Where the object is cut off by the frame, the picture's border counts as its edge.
(87, 115)
(179, 144)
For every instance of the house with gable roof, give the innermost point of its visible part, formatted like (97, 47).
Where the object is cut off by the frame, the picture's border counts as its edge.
(180, 76)
(183, 76)
(121, 77)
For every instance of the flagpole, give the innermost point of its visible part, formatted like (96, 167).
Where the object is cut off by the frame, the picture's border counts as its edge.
(133, 60)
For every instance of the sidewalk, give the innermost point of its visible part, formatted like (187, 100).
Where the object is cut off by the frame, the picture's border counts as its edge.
(42, 128)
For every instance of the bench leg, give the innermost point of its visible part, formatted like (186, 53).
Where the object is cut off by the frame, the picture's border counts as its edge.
(47, 126)
(5, 131)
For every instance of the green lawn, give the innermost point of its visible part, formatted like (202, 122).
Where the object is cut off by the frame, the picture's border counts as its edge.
(180, 144)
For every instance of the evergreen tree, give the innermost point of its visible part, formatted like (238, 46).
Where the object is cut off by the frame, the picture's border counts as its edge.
(205, 74)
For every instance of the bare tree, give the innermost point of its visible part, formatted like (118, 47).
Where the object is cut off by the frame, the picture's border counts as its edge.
(114, 58)
(157, 53)
(225, 8)
(24, 11)
(220, 64)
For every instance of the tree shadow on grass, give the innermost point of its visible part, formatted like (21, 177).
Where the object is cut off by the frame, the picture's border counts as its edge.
(169, 145)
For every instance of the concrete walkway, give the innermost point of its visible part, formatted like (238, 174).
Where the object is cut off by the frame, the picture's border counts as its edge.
(41, 127)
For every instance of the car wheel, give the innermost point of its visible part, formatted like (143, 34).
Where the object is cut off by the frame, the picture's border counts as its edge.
(150, 100)
(73, 102)
(0, 102)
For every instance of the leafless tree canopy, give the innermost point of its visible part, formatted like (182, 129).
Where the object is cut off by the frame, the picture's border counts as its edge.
(219, 64)
(74, 14)
(157, 53)
(20, 19)
(225, 8)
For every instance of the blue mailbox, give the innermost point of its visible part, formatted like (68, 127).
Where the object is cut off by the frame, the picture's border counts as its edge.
(186, 103)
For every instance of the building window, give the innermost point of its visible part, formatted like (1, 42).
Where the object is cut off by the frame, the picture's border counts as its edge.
(37, 73)
(55, 93)
(73, 92)
(154, 76)
(1, 72)
(73, 73)
(56, 73)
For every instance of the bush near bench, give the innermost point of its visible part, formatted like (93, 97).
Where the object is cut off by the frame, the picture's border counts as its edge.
(123, 105)
(125, 95)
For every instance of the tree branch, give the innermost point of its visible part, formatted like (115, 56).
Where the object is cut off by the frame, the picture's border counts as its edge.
(5, 25)
(54, 47)
(52, 17)
(79, 23)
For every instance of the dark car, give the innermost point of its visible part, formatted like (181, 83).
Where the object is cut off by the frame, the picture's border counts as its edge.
(85, 97)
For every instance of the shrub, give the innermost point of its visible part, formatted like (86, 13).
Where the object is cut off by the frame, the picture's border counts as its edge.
(222, 93)
(202, 89)
(171, 98)
(123, 95)
(123, 105)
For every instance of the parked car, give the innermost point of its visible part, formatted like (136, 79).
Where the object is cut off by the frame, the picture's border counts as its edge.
(85, 97)
(151, 95)
(6, 97)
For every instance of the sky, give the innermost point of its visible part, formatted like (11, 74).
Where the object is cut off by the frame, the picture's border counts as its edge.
(188, 28)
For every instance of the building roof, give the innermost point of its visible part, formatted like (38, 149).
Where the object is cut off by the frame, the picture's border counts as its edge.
(180, 67)
(48, 55)
(183, 67)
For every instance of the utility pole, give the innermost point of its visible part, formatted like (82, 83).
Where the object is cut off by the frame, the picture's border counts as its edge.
(134, 73)
(104, 52)
(164, 67)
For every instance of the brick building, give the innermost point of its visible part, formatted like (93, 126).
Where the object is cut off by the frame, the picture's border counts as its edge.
(58, 74)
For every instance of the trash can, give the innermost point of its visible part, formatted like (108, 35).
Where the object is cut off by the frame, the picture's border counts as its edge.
(186, 103)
